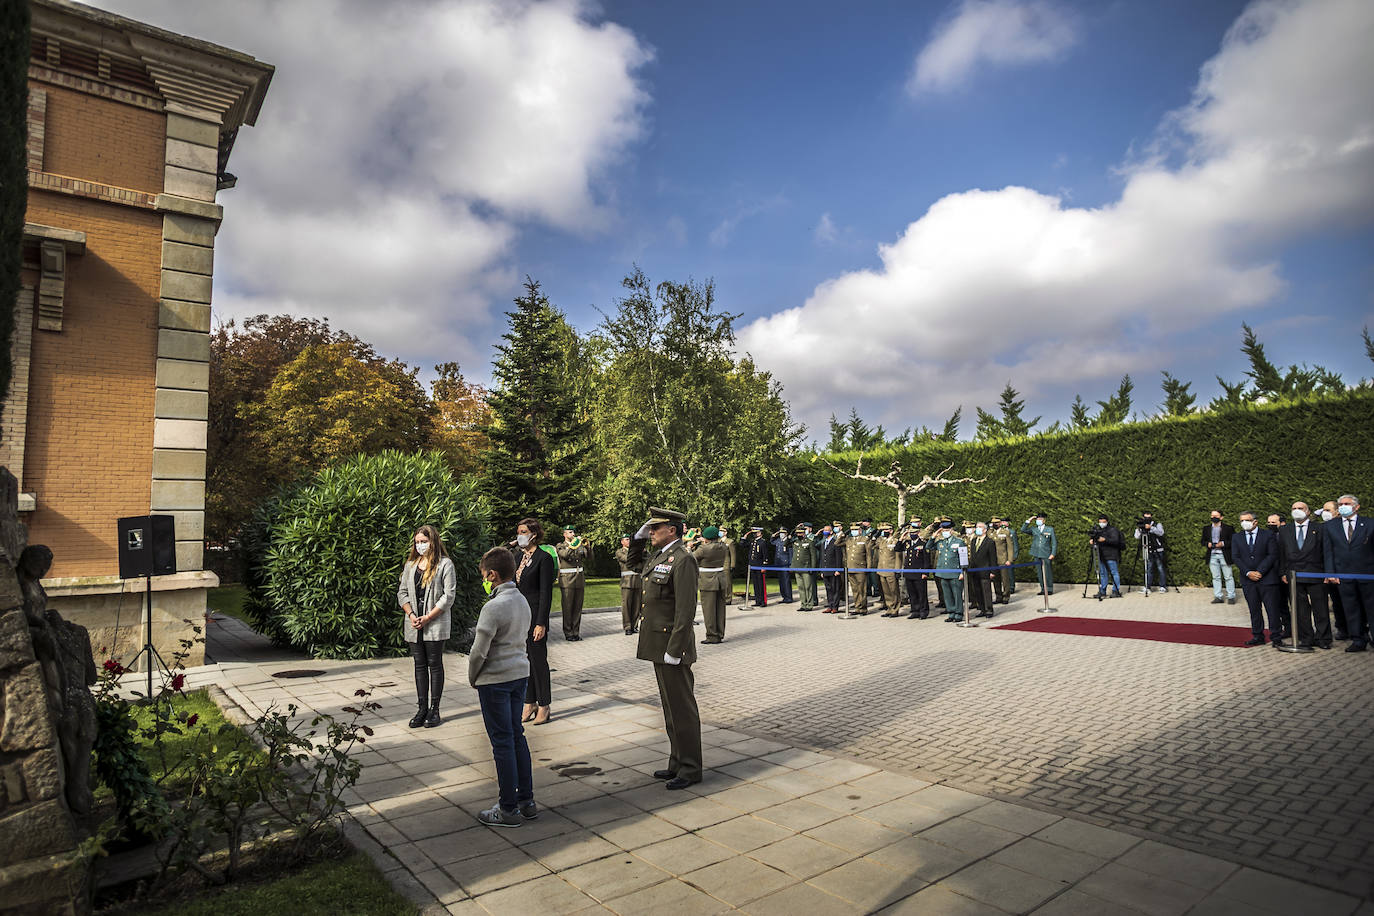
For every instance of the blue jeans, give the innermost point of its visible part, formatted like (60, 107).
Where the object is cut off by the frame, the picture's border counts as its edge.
(1104, 569)
(1221, 570)
(502, 706)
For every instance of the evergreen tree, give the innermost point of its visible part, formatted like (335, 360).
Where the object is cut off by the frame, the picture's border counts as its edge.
(1013, 423)
(539, 462)
(951, 431)
(1117, 408)
(1080, 418)
(1231, 398)
(1368, 343)
(989, 427)
(839, 435)
(1178, 400)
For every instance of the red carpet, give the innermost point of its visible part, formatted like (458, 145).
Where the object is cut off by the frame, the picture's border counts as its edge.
(1194, 634)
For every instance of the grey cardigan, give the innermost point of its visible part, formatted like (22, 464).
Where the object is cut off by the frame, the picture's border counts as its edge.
(498, 649)
(439, 594)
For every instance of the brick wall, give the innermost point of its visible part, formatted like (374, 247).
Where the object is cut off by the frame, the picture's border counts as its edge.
(89, 447)
(103, 140)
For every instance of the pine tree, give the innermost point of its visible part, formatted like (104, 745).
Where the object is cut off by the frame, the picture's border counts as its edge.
(1178, 400)
(1117, 408)
(539, 463)
(951, 431)
(839, 435)
(989, 427)
(1013, 423)
(1079, 417)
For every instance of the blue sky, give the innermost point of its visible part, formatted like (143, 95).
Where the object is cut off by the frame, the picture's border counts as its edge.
(1151, 175)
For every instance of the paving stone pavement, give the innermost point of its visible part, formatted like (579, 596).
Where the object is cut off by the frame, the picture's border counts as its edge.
(774, 827)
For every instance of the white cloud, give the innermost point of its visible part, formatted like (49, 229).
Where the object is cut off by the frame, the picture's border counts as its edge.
(403, 145)
(996, 32)
(1277, 140)
(826, 231)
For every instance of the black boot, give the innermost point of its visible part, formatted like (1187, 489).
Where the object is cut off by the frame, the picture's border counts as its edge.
(432, 719)
(420, 716)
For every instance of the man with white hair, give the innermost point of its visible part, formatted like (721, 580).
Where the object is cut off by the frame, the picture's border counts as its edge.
(1348, 546)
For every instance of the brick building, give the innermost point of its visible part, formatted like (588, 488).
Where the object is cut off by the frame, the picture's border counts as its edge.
(129, 134)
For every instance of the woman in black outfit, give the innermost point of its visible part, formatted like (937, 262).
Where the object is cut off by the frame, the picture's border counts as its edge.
(535, 573)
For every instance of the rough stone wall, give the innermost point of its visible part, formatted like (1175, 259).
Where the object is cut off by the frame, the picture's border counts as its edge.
(47, 729)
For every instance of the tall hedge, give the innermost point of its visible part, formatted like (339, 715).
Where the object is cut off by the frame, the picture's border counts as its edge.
(1260, 458)
(14, 96)
(323, 560)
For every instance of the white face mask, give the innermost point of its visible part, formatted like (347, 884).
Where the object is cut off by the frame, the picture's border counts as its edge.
(981, 530)
(1326, 515)
(853, 532)
(1346, 510)
(1040, 523)
(946, 533)
(1299, 515)
(422, 547)
(1102, 524)
(523, 540)
(1247, 525)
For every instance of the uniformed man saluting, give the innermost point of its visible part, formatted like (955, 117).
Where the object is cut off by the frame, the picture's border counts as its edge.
(631, 588)
(666, 638)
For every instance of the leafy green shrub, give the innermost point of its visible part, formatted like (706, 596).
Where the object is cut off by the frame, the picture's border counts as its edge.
(323, 559)
(1259, 457)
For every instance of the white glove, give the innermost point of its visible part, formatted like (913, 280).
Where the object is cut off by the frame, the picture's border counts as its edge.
(669, 660)
(643, 533)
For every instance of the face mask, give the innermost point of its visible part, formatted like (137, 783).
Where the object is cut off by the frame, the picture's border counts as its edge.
(1299, 515)
(523, 540)
(1346, 510)
(853, 532)
(981, 531)
(1040, 523)
(422, 547)
(1273, 526)
(1216, 520)
(1102, 524)
(1247, 525)
(1326, 515)
(968, 531)
(946, 533)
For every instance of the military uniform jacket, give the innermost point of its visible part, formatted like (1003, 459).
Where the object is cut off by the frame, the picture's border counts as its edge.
(670, 605)
(1043, 542)
(805, 552)
(712, 555)
(1005, 543)
(887, 553)
(734, 558)
(629, 576)
(947, 557)
(914, 554)
(856, 552)
(572, 558)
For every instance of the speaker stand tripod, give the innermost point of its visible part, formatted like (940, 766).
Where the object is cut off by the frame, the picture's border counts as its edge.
(149, 649)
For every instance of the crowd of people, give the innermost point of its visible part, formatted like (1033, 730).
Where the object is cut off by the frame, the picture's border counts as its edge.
(1325, 560)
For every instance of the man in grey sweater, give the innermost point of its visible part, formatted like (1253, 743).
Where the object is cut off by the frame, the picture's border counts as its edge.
(498, 667)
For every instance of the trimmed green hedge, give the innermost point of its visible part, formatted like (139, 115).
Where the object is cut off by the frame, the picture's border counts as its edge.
(323, 560)
(1260, 458)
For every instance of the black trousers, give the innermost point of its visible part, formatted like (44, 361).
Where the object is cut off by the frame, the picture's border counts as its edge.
(918, 594)
(429, 670)
(980, 592)
(1314, 623)
(760, 586)
(1358, 599)
(1261, 598)
(834, 589)
(538, 689)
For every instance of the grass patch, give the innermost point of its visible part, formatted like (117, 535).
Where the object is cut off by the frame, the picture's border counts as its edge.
(228, 600)
(606, 593)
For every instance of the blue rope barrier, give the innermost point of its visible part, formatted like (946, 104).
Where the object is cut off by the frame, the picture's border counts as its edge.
(843, 569)
(1327, 575)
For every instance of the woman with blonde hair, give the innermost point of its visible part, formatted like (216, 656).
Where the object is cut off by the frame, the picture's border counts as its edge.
(428, 585)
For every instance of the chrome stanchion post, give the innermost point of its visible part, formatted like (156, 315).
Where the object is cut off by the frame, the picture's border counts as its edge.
(966, 622)
(848, 607)
(1293, 616)
(1044, 590)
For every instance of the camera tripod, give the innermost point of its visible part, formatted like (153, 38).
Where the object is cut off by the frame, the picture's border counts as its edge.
(1094, 568)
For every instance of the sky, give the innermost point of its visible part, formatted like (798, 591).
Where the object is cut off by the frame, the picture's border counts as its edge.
(909, 205)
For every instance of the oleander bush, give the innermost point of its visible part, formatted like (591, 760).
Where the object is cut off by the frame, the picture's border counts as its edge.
(322, 559)
(1257, 457)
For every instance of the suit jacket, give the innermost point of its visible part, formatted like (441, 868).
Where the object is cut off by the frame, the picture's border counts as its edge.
(536, 584)
(438, 594)
(670, 605)
(1228, 534)
(982, 552)
(1311, 558)
(1354, 555)
(831, 552)
(1263, 558)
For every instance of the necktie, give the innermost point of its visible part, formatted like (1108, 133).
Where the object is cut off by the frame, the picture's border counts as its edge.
(1252, 540)
(1350, 529)
(1302, 535)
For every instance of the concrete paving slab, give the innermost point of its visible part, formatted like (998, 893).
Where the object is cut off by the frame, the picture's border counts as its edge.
(1046, 860)
(856, 834)
(970, 835)
(939, 901)
(738, 880)
(926, 860)
(614, 876)
(685, 853)
(1141, 890)
(549, 894)
(800, 898)
(744, 833)
(868, 884)
(1282, 895)
(672, 896)
(1005, 888)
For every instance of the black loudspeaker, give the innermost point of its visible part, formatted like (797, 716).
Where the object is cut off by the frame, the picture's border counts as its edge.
(147, 546)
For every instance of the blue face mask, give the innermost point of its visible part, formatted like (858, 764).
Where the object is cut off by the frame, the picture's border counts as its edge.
(853, 532)
(1346, 510)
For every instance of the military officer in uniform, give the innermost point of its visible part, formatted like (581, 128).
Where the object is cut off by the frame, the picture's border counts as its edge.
(1043, 547)
(805, 553)
(713, 583)
(631, 588)
(857, 554)
(948, 570)
(887, 554)
(758, 545)
(914, 556)
(1004, 543)
(730, 567)
(665, 638)
(572, 558)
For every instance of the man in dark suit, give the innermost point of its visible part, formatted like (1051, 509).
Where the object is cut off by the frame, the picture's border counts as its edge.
(1216, 541)
(1348, 547)
(832, 557)
(1300, 550)
(1256, 552)
(982, 552)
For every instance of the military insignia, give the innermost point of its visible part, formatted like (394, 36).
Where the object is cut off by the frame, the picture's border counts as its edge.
(663, 568)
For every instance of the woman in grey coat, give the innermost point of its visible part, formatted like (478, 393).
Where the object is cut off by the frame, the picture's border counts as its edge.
(428, 584)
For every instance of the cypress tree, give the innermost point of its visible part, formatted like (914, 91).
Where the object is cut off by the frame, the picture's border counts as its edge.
(539, 462)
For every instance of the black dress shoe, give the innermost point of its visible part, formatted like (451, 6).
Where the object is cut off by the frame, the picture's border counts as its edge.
(708, 641)
(1355, 647)
(1116, 594)
(912, 616)
(1217, 600)
(1256, 641)
(665, 774)
(573, 638)
(680, 782)
(420, 717)
(1323, 645)
(1230, 600)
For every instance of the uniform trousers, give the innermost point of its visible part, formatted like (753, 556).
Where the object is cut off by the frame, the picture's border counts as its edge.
(756, 576)
(806, 584)
(571, 596)
(631, 606)
(1001, 583)
(917, 595)
(858, 594)
(713, 612)
(891, 590)
(1044, 574)
(952, 590)
(677, 694)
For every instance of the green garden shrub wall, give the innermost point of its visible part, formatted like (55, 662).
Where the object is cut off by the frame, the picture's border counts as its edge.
(322, 561)
(1260, 458)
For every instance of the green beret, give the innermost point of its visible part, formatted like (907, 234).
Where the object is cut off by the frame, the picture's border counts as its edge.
(710, 532)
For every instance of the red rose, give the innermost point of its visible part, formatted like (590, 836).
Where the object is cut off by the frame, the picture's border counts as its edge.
(178, 681)
(192, 719)
(113, 666)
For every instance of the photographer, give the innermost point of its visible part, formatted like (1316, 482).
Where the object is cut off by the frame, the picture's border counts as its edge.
(1153, 533)
(1109, 543)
